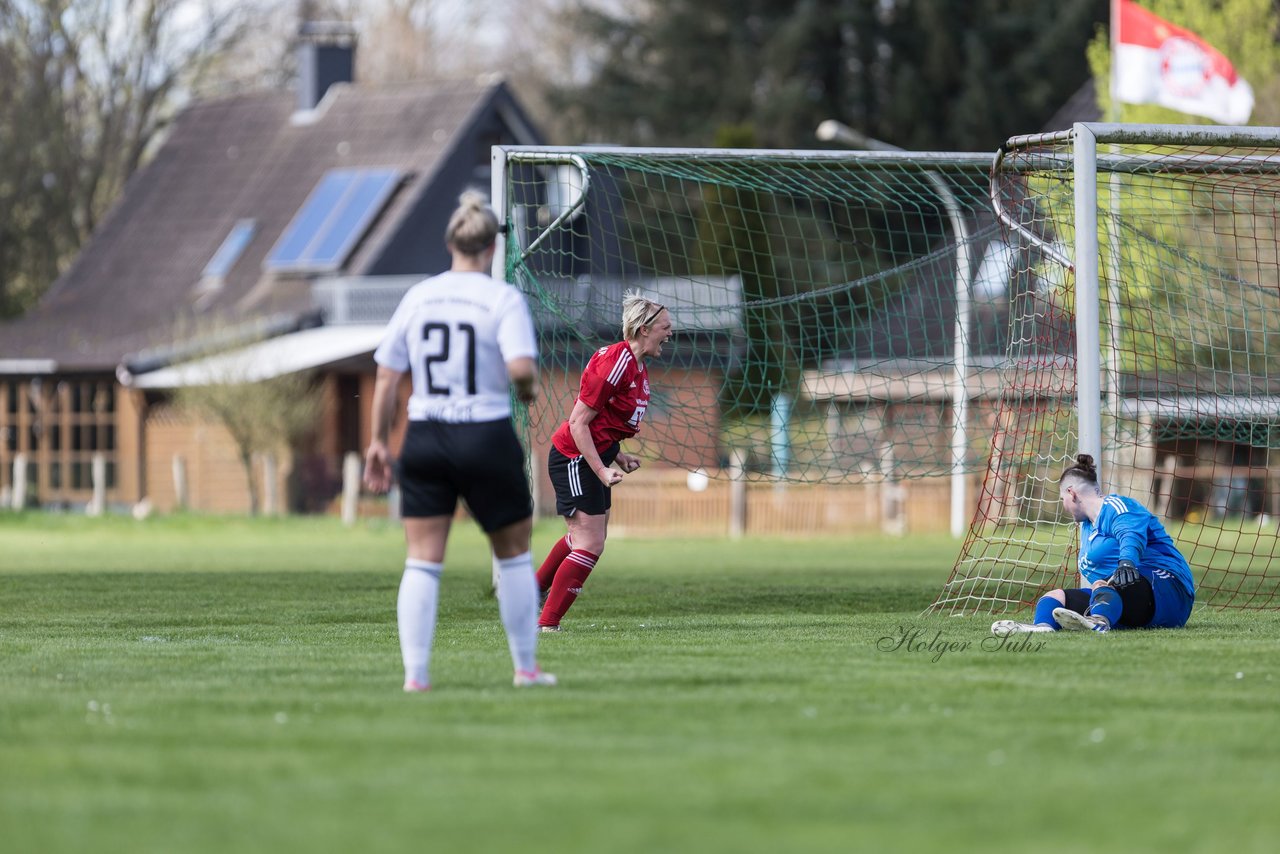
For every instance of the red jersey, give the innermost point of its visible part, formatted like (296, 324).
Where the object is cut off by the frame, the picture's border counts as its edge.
(616, 386)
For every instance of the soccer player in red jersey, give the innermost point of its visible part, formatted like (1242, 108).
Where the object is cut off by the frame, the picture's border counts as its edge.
(585, 459)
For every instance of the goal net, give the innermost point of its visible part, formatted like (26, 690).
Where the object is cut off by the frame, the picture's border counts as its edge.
(840, 317)
(1148, 335)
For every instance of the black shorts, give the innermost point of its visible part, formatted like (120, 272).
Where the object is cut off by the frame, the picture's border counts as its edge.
(482, 462)
(578, 490)
(1138, 603)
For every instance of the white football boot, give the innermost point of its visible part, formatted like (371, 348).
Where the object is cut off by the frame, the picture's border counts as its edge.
(526, 678)
(1004, 628)
(1073, 622)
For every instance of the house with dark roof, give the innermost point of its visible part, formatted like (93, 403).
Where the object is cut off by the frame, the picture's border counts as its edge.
(289, 223)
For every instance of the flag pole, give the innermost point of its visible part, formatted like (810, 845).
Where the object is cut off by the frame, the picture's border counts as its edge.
(1113, 34)
(1114, 290)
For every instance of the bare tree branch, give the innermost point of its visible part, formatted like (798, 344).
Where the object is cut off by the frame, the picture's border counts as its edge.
(86, 89)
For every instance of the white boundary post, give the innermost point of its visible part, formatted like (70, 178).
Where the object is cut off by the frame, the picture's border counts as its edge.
(98, 471)
(1088, 343)
(270, 484)
(737, 493)
(352, 466)
(19, 496)
(181, 493)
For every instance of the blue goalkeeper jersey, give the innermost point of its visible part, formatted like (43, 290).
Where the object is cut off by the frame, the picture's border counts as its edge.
(1125, 530)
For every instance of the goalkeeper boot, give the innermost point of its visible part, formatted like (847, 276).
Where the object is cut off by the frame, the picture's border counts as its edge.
(1004, 628)
(1073, 622)
(529, 678)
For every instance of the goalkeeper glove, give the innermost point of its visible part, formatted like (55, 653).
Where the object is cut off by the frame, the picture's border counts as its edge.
(1126, 573)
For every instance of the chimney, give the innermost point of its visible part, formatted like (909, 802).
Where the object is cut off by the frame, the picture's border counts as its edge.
(326, 55)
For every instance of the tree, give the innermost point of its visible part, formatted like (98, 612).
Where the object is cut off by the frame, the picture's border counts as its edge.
(948, 74)
(262, 416)
(86, 88)
(733, 239)
(415, 40)
(986, 69)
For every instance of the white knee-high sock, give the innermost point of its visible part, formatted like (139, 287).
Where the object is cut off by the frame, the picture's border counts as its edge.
(518, 606)
(416, 615)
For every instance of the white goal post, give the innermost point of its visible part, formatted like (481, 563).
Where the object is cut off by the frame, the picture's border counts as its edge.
(1154, 345)
(573, 226)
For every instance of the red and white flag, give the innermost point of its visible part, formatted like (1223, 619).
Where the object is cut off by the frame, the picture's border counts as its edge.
(1156, 62)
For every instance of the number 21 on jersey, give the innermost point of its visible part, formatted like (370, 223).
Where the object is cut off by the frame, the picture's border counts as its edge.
(439, 334)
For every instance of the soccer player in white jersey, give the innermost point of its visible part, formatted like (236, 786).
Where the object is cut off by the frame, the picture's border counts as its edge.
(467, 340)
(1133, 575)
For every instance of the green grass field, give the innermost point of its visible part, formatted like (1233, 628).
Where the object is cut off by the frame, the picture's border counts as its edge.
(199, 685)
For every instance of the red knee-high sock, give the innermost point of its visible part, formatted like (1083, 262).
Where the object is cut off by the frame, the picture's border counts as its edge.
(570, 577)
(547, 572)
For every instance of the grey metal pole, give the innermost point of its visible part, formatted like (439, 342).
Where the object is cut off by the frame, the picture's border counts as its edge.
(1088, 345)
(498, 201)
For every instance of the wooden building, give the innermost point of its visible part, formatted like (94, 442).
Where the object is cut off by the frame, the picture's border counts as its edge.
(281, 220)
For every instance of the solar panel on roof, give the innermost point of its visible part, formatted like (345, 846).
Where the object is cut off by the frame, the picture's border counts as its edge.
(310, 219)
(231, 249)
(362, 204)
(333, 219)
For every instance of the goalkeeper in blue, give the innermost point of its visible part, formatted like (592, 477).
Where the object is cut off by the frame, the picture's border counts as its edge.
(1132, 573)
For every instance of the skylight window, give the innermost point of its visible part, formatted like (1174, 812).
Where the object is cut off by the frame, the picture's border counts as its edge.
(231, 249)
(332, 220)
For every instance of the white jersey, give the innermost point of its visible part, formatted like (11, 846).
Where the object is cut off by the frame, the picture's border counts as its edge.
(456, 332)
